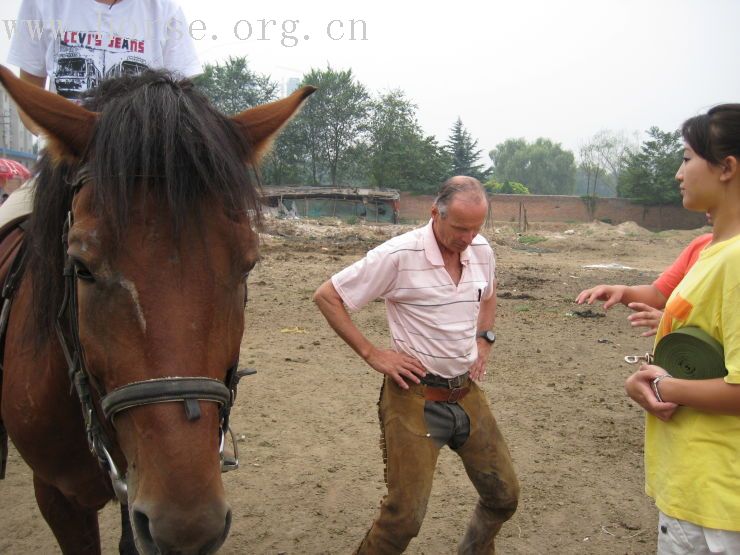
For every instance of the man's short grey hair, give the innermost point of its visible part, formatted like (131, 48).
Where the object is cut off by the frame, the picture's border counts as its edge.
(455, 185)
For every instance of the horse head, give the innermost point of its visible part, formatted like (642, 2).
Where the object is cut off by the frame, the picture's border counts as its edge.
(160, 238)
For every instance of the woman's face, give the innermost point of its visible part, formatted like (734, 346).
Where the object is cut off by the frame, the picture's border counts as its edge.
(699, 181)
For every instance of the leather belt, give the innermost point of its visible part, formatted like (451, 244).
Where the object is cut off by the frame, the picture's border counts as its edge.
(450, 383)
(445, 390)
(444, 394)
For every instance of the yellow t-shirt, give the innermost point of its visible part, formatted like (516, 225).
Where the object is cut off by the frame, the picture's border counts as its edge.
(692, 462)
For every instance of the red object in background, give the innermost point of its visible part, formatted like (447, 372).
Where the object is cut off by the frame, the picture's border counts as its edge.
(10, 169)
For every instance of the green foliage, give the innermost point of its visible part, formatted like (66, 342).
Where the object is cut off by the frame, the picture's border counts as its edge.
(506, 188)
(287, 162)
(464, 153)
(333, 121)
(354, 168)
(531, 239)
(232, 87)
(542, 166)
(401, 156)
(649, 176)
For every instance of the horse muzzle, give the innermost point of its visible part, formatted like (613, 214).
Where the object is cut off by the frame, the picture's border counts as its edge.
(167, 531)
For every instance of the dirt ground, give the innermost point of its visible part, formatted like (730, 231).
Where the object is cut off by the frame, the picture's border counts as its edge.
(311, 475)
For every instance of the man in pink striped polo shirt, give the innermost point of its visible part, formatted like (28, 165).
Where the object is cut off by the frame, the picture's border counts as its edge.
(439, 286)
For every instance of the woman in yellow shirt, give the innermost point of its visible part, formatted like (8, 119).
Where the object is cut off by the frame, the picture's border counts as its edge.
(692, 431)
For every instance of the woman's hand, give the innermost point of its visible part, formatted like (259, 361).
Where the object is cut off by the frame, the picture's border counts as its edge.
(639, 387)
(645, 316)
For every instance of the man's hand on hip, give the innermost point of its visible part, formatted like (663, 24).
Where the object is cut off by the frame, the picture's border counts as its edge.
(398, 366)
(478, 369)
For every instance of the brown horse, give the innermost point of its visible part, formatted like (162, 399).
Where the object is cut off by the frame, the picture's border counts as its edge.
(125, 330)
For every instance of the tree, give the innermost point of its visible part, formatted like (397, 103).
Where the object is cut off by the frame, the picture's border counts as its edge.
(400, 155)
(333, 122)
(233, 87)
(287, 162)
(506, 188)
(591, 165)
(464, 153)
(604, 157)
(354, 168)
(542, 166)
(649, 175)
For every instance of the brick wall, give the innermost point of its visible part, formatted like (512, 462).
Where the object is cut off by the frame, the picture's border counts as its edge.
(547, 208)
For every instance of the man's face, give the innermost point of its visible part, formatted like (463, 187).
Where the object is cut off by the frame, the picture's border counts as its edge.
(465, 216)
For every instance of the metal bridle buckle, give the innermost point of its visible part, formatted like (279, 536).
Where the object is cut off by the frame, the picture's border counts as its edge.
(120, 486)
(228, 463)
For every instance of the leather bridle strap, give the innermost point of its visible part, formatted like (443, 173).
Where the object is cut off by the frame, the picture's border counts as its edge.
(163, 390)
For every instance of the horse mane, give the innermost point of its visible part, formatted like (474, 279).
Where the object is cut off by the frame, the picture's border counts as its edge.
(154, 132)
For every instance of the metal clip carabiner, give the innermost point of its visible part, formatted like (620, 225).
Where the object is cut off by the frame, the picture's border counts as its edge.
(647, 358)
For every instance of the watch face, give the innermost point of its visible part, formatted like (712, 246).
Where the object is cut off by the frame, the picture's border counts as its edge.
(488, 336)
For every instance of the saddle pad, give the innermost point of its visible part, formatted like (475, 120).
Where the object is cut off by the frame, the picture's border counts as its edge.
(18, 205)
(691, 354)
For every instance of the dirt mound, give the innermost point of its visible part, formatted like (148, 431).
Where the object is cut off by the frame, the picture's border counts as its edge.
(330, 228)
(631, 228)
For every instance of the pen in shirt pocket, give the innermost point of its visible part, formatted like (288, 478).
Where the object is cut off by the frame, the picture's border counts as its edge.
(480, 292)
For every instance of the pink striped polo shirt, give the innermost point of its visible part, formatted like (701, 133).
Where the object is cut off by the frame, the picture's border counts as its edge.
(430, 318)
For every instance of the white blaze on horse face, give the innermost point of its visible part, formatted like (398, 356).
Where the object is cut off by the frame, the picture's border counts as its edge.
(93, 238)
(130, 286)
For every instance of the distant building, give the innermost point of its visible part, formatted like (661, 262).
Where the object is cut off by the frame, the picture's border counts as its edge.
(16, 142)
(347, 203)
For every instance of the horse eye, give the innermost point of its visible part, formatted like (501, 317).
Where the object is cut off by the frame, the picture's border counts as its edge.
(81, 272)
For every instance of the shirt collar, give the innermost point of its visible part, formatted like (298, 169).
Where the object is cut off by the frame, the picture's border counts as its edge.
(431, 247)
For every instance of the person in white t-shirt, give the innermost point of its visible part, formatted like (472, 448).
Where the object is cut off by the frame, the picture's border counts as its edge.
(76, 44)
(70, 46)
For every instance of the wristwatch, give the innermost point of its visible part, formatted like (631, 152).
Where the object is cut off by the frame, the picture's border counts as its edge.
(488, 335)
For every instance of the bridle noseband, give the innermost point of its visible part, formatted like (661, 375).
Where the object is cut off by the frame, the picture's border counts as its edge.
(188, 390)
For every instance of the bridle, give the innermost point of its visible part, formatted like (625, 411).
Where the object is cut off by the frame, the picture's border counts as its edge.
(188, 390)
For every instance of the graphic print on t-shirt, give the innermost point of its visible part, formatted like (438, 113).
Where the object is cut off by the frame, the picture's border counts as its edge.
(84, 59)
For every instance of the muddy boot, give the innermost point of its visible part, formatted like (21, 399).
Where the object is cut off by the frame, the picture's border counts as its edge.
(480, 535)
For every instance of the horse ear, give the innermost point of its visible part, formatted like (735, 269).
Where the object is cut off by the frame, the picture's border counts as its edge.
(68, 126)
(261, 124)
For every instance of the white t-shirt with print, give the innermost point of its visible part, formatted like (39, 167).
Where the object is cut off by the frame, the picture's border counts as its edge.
(78, 43)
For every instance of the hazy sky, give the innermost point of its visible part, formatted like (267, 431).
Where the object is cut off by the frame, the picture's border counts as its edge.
(517, 68)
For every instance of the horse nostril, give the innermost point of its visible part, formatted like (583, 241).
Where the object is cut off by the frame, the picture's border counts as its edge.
(143, 535)
(213, 545)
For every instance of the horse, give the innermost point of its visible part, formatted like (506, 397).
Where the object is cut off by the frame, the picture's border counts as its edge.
(119, 363)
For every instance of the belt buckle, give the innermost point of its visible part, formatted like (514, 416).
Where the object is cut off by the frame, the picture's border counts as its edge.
(456, 382)
(455, 395)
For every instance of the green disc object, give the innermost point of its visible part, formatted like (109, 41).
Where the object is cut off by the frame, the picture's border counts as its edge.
(691, 354)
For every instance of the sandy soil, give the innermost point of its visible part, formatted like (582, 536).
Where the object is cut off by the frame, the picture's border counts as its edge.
(311, 475)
